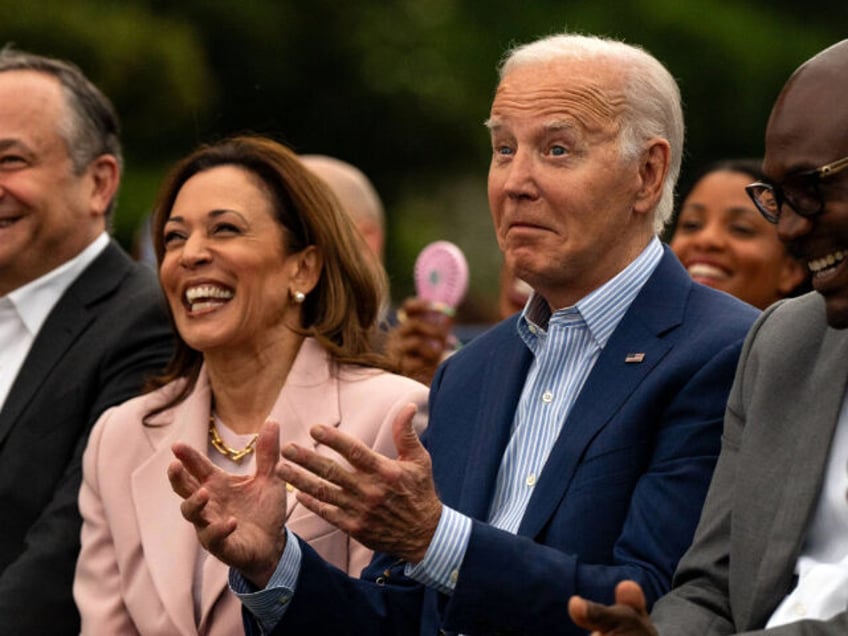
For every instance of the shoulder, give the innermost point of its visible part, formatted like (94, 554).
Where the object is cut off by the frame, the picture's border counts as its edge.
(128, 416)
(377, 383)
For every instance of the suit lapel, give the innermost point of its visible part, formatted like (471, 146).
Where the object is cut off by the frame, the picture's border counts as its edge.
(657, 308)
(310, 396)
(168, 541)
(507, 365)
(74, 311)
(805, 434)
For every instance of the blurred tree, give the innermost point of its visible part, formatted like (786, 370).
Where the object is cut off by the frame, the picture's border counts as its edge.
(401, 88)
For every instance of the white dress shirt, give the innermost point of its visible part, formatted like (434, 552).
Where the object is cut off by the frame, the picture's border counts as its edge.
(24, 310)
(822, 567)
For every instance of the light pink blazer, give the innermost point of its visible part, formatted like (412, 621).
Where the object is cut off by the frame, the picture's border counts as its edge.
(136, 568)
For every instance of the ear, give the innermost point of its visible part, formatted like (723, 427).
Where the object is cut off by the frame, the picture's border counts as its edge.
(306, 269)
(105, 176)
(653, 168)
(792, 274)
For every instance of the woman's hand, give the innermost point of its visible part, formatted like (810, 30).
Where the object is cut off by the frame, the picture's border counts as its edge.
(240, 519)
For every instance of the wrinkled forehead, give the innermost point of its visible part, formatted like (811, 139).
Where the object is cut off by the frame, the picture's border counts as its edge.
(588, 92)
(808, 126)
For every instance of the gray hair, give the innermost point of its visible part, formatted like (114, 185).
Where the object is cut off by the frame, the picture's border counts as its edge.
(92, 127)
(652, 97)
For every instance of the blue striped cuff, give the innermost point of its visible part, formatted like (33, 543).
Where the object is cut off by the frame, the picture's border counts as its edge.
(268, 605)
(439, 568)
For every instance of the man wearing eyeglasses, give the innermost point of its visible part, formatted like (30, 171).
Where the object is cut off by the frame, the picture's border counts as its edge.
(770, 555)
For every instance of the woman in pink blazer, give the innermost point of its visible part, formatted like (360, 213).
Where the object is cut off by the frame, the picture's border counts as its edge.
(275, 305)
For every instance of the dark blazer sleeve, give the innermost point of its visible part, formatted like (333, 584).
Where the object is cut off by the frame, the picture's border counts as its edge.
(124, 335)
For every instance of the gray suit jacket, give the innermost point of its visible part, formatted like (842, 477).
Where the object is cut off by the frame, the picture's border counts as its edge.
(106, 333)
(781, 416)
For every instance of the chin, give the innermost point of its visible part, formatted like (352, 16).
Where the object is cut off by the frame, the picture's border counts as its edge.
(836, 310)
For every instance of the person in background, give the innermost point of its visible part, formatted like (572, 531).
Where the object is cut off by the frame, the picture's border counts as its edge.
(275, 307)
(81, 324)
(357, 196)
(598, 406)
(425, 336)
(770, 555)
(724, 242)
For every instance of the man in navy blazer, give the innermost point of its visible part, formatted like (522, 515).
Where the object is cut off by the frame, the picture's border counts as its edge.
(569, 447)
(80, 325)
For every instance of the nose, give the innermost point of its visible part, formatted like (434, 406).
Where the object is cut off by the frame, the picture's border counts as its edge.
(520, 181)
(711, 236)
(195, 252)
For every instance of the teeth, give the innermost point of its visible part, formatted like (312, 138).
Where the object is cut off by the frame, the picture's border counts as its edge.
(707, 271)
(819, 264)
(207, 291)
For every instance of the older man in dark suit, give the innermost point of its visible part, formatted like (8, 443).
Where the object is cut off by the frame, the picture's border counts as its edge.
(80, 325)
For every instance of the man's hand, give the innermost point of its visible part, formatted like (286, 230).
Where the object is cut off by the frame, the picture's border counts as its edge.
(421, 340)
(388, 505)
(628, 617)
(238, 518)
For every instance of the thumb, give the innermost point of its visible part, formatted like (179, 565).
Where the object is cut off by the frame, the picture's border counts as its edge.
(630, 593)
(267, 448)
(406, 440)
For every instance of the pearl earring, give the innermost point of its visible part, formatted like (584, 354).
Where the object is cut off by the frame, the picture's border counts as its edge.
(298, 297)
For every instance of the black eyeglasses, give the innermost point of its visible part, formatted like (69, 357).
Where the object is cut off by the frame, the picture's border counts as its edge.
(800, 191)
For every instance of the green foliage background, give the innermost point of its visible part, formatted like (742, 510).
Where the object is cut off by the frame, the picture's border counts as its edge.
(400, 87)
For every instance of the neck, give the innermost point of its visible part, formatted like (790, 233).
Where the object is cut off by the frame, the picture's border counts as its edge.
(246, 387)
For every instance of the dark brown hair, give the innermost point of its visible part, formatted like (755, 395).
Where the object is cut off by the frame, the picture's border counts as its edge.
(342, 311)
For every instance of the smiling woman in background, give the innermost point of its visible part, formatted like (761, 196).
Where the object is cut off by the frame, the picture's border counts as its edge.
(725, 243)
(275, 307)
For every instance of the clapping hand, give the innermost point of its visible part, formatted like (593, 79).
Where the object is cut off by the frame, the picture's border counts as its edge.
(628, 617)
(386, 504)
(238, 518)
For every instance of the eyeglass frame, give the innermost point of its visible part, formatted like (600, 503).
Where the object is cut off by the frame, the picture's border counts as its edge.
(823, 172)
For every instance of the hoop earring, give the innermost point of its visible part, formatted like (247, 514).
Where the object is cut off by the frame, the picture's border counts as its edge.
(298, 297)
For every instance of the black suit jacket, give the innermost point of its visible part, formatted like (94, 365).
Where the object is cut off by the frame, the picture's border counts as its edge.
(107, 332)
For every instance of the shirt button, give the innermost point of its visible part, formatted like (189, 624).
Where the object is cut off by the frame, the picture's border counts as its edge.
(799, 609)
(284, 599)
(531, 479)
(532, 328)
(547, 396)
(454, 576)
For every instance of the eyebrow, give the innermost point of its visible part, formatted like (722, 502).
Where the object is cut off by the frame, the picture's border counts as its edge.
(555, 125)
(13, 142)
(212, 214)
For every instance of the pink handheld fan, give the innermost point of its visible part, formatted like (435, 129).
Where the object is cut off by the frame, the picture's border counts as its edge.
(441, 276)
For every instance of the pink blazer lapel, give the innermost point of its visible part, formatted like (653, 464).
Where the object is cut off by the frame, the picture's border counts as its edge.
(310, 396)
(168, 541)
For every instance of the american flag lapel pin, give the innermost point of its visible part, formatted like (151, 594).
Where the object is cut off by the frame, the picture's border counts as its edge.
(634, 358)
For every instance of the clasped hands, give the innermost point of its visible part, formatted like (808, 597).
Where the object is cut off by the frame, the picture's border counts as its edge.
(388, 505)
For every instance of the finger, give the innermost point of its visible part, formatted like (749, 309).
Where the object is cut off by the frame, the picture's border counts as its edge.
(352, 449)
(195, 463)
(331, 514)
(182, 482)
(194, 506)
(214, 534)
(579, 612)
(267, 448)
(317, 475)
(406, 440)
(630, 593)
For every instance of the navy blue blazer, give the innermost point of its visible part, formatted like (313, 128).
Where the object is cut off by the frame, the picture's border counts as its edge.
(619, 496)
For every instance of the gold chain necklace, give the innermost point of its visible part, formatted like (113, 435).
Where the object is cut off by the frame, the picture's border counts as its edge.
(227, 451)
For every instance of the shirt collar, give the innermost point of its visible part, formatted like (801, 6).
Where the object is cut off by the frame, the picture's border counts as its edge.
(36, 299)
(603, 308)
